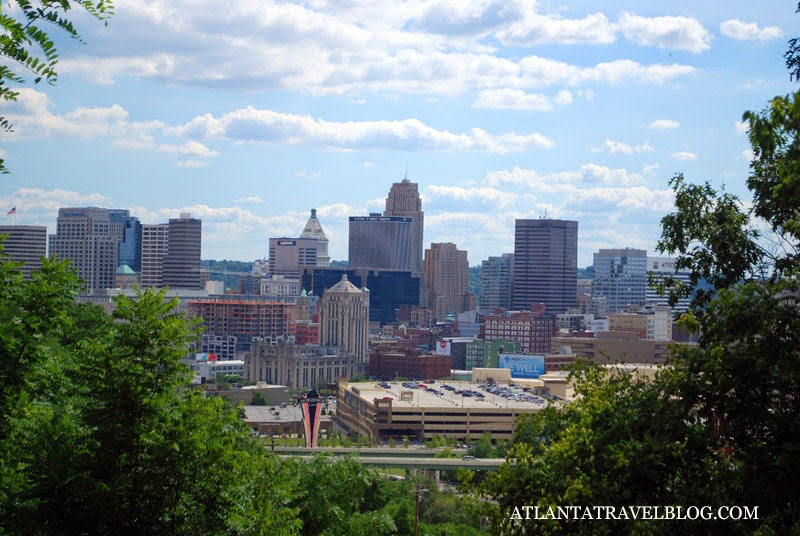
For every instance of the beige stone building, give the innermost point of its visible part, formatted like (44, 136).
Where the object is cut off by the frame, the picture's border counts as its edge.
(344, 319)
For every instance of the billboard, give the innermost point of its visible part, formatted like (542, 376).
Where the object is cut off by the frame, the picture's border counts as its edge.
(523, 365)
(443, 348)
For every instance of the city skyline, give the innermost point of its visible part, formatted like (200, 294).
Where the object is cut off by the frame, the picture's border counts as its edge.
(499, 111)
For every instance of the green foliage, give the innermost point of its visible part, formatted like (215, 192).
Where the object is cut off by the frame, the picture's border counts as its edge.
(721, 425)
(28, 48)
(474, 279)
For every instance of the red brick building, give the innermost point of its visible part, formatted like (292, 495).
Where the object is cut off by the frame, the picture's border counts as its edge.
(387, 361)
(532, 329)
(306, 332)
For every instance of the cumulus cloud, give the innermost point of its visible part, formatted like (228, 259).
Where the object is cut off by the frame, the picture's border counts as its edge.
(618, 147)
(516, 99)
(487, 196)
(680, 33)
(664, 124)
(251, 124)
(749, 31)
(742, 127)
(249, 199)
(684, 155)
(437, 47)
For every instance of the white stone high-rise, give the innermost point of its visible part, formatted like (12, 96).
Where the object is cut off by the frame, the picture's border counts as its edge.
(313, 230)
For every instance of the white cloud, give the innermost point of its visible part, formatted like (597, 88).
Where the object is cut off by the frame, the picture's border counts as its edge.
(563, 98)
(742, 127)
(512, 99)
(681, 33)
(484, 195)
(664, 124)
(250, 199)
(749, 31)
(748, 154)
(192, 164)
(251, 124)
(684, 155)
(536, 29)
(563, 181)
(435, 48)
(304, 175)
(618, 147)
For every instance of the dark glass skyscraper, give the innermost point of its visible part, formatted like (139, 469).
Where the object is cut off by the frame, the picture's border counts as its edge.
(380, 242)
(545, 264)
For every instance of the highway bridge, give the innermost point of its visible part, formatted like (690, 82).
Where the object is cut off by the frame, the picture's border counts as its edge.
(396, 458)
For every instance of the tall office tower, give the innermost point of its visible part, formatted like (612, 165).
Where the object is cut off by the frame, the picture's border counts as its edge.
(130, 244)
(89, 238)
(663, 267)
(404, 201)
(545, 264)
(344, 319)
(380, 242)
(620, 276)
(313, 230)
(496, 277)
(446, 273)
(154, 249)
(182, 261)
(26, 244)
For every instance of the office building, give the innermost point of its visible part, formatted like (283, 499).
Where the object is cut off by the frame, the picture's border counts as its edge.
(380, 242)
(182, 261)
(620, 276)
(26, 244)
(276, 360)
(344, 319)
(485, 354)
(389, 290)
(446, 274)
(288, 256)
(313, 231)
(662, 268)
(404, 200)
(130, 244)
(90, 240)
(545, 264)
(497, 274)
(533, 330)
(154, 249)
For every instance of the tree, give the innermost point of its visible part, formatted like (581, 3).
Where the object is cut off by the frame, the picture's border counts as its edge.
(25, 43)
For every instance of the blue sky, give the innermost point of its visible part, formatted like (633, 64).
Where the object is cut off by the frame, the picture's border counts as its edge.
(250, 114)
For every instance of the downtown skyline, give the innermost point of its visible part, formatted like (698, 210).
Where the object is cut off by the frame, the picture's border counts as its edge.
(249, 116)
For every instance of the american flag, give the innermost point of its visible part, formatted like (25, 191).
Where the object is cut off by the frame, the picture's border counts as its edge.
(12, 211)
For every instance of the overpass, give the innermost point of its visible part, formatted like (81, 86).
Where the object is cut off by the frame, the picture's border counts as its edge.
(396, 459)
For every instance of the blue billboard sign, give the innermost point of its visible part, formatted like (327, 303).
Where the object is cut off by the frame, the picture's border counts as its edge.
(522, 365)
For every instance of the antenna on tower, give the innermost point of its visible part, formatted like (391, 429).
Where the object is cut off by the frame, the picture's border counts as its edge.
(405, 175)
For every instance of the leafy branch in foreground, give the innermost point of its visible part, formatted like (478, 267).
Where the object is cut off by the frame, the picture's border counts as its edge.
(25, 43)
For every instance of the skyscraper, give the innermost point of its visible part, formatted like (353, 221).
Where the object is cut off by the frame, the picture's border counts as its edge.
(89, 238)
(620, 276)
(545, 264)
(344, 319)
(313, 230)
(154, 248)
(26, 244)
(446, 273)
(404, 201)
(288, 256)
(130, 245)
(496, 277)
(380, 242)
(182, 261)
